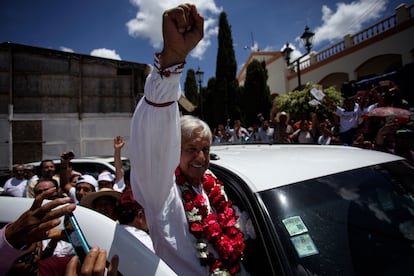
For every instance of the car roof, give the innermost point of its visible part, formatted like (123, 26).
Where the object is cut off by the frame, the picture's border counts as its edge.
(265, 167)
(95, 159)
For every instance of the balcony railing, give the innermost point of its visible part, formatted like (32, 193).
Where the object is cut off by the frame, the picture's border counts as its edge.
(366, 34)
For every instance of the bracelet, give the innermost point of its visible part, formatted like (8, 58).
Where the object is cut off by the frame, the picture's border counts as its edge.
(175, 69)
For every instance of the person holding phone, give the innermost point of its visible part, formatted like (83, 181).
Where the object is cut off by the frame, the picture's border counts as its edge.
(94, 264)
(36, 224)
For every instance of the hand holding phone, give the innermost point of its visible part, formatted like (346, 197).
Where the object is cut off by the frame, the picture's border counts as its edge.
(95, 263)
(76, 237)
(79, 243)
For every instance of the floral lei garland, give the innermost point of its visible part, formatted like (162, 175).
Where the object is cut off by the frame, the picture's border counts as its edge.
(220, 229)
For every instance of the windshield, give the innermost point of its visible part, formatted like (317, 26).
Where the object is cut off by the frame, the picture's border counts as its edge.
(359, 222)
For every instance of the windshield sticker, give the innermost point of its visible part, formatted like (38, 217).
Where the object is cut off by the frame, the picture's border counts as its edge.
(304, 245)
(294, 225)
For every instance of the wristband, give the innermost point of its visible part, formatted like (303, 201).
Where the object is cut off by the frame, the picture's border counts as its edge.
(174, 69)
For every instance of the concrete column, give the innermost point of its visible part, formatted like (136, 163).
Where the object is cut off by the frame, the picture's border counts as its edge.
(403, 13)
(348, 42)
(312, 58)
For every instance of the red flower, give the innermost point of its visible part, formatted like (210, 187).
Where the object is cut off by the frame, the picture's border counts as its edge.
(215, 191)
(180, 178)
(217, 199)
(222, 205)
(219, 230)
(226, 221)
(203, 210)
(233, 232)
(211, 218)
(216, 264)
(234, 268)
(208, 182)
(187, 195)
(188, 206)
(197, 229)
(199, 200)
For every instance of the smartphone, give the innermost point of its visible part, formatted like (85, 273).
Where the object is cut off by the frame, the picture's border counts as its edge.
(76, 237)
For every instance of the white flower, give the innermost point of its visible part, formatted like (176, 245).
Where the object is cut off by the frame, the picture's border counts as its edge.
(193, 218)
(202, 254)
(237, 224)
(201, 245)
(219, 272)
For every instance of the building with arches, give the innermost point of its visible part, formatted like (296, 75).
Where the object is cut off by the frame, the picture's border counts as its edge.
(385, 49)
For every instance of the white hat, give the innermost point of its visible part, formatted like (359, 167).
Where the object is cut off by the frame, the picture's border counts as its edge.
(86, 178)
(106, 176)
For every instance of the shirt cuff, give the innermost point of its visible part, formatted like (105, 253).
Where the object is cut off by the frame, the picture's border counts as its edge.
(171, 70)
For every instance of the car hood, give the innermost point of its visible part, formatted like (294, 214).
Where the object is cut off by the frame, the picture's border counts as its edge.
(269, 166)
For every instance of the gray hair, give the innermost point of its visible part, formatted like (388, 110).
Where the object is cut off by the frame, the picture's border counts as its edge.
(191, 125)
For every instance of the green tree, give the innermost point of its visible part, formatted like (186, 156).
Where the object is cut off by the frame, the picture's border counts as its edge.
(212, 104)
(226, 93)
(296, 103)
(256, 93)
(190, 88)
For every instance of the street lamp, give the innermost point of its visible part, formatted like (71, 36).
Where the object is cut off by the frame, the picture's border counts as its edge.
(200, 76)
(306, 38)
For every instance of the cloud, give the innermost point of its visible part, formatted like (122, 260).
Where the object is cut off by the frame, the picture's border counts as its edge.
(347, 19)
(66, 49)
(147, 22)
(105, 53)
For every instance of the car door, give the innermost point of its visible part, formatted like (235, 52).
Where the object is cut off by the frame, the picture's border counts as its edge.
(263, 254)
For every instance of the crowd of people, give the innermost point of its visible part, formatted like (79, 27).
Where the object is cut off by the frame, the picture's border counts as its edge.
(349, 125)
(169, 199)
(109, 194)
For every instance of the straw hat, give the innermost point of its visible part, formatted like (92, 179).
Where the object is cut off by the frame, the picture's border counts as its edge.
(282, 113)
(87, 200)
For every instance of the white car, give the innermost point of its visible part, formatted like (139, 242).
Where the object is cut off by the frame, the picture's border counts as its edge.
(92, 165)
(322, 210)
(314, 210)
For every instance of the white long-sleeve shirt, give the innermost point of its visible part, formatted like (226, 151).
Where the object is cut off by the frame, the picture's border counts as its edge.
(7, 253)
(155, 154)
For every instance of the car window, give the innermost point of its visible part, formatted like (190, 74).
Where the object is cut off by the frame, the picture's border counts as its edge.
(359, 222)
(125, 164)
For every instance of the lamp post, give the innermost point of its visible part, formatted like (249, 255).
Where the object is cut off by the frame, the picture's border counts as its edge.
(306, 38)
(200, 76)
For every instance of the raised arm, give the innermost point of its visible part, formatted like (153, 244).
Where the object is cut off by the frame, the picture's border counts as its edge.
(183, 28)
(155, 131)
(118, 145)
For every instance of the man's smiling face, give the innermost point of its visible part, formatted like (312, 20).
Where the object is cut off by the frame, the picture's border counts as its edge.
(195, 157)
